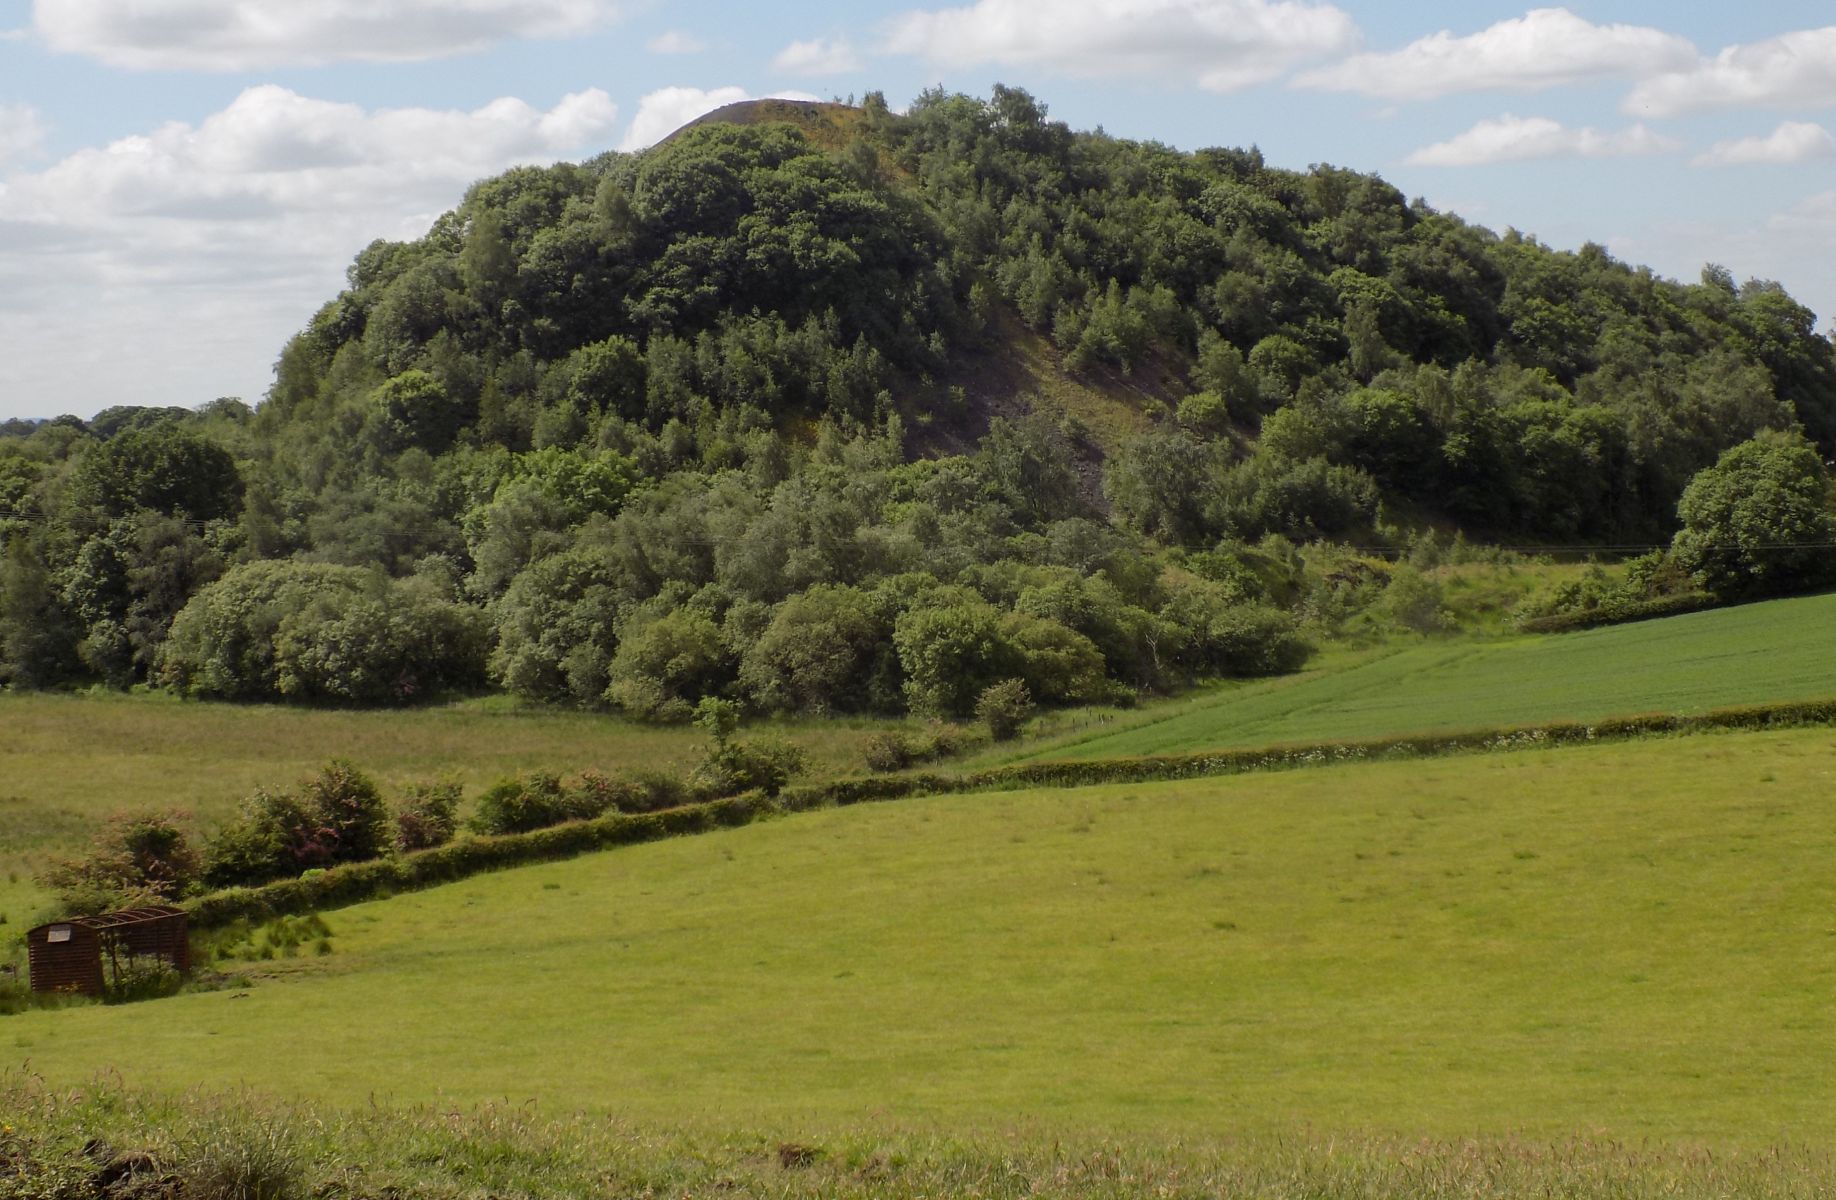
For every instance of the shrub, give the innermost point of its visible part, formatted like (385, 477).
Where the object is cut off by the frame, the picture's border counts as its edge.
(134, 859)
(888, 752)
(522, 804)
(337, 816)
(540, 800)
(428, 816)
(897, 751)
(729, 767)
(353, 820)
(1004, 707)
(649, 791)
(142, 977)
(1414, 601)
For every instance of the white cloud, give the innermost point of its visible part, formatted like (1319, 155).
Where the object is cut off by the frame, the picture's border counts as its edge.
(675, 41)
(1518, 139)
(1223, 45)
(1546, 47)
(1791, 142)
(240, 35)
(21, 131)
(818, 57)
(193, 251)
(662, 112)
(1794, 70)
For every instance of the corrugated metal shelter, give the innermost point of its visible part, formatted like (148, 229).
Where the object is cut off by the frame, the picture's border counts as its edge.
(88, 954)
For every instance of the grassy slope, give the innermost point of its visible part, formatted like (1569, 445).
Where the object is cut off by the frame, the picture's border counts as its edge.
(1779, 650)
(1633, 939)
(68, 761)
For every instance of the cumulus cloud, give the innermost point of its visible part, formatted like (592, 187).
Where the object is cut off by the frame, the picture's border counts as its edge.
(662, 112)
(1795, 70)
(1223, 45)
(1791, 142)
(675, 41)
(1519, 139)
(194, 250)
(240, 35)
(21, 131)
(1545, 48)
(818, 57)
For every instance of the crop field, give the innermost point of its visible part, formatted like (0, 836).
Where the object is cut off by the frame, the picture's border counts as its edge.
(67, 762)
(1630, 941)
(1779, 650)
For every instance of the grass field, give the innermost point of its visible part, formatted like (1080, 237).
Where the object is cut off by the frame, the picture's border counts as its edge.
(67, 762)
(1636, 940)
(1779, 650)
(196, 1144)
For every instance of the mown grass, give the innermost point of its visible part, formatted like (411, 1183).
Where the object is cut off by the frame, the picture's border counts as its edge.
(1629, 941)
(65, 1143)
(1779, 650)
(68, 761)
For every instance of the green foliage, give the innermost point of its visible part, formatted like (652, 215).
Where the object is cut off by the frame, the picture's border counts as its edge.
(427, 816)
(819, 653)
(668, 663)
(37, 634)
(316, 632)
(897, 751)
(728, 768)
(615, 424)
(142, 977)
(1004, 707)
(134, 859)
(1759, 522)
(1222, 635)
(421, 1151)
(336, 816)
(249, 1156)
(537, 801)
(1413, 600)
(951, 648)
(164, 468)
(555, 628)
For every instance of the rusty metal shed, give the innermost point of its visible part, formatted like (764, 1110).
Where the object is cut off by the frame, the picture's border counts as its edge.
(88, 954)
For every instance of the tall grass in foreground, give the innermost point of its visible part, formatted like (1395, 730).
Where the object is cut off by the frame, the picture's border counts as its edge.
(102, 1141)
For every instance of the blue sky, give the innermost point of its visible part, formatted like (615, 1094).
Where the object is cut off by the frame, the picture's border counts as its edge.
(182, 182)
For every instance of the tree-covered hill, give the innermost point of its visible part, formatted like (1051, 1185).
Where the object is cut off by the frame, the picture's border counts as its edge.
(834, 407)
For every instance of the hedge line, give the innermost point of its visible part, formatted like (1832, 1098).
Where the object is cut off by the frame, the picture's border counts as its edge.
(1063, 773)
(1621, 613)
(359, 882)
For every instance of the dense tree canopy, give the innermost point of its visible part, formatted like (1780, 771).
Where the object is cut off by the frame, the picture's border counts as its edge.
(796, 420)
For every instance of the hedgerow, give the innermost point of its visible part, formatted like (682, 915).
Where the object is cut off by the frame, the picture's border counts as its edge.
(358, 882)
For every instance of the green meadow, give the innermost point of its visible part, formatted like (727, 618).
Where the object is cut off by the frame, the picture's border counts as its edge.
(1628, 941)
(69, 761)
(1755, 653)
